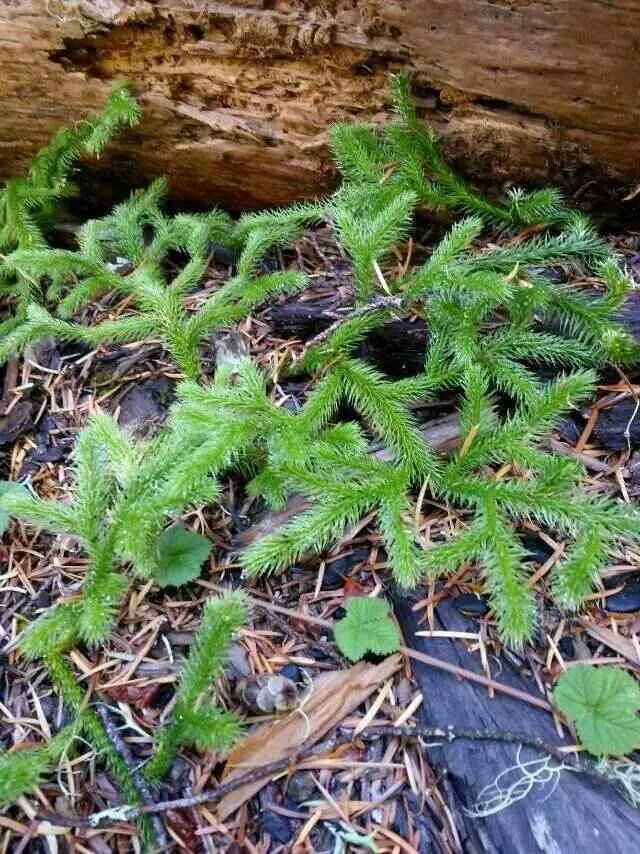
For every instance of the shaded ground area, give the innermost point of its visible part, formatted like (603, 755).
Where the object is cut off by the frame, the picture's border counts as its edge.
(389, 787)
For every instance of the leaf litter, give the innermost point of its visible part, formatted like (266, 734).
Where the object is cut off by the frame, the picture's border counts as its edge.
(381, 794)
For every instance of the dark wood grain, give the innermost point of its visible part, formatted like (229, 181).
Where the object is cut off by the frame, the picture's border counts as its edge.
(574, 816)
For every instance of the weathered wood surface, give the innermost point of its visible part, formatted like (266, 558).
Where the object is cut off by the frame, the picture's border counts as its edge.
(238, 96)
(573, 816)
(397, 347)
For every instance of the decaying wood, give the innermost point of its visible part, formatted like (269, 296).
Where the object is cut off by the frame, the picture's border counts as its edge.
(238, 96)
(567, 814)
(398, 346)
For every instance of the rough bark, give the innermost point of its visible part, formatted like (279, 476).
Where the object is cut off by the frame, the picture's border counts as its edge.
(238, 96)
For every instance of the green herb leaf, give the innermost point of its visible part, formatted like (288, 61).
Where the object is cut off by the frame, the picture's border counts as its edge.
(366, 628)
(603, 702)
(181, 555)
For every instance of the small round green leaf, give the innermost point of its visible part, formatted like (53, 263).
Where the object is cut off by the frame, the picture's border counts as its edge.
(603, 702)
(367, 627)
(181, 553)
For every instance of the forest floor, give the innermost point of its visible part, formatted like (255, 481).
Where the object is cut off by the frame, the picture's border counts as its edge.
(388, 791)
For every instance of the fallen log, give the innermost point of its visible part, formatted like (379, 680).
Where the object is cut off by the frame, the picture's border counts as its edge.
(238, 97)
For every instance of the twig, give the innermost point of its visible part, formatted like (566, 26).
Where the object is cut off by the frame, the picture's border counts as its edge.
(138, 778)
(508, 690)
(445, 735)
(450, 734)
(131, 812)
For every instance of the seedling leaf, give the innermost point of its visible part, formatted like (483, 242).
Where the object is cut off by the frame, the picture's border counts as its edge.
(603, 702)
(367, 627)
(181, 555)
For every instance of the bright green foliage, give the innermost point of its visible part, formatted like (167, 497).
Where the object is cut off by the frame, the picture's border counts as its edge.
(125, 493)
(537, 487)
(127, 253)
(181, 554)
(195, 718)
(494, 319)
(28, 201)
(22, 770)
(53, 633)
(406, 159)
(28, 204)
(330, 465)
(367, 627)
(301, 453)
(604, 703)
(369, 221)
(463, 293)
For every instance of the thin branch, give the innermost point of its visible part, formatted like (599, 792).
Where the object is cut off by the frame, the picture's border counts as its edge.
(139, 781)
(129, 812)
(444, 735)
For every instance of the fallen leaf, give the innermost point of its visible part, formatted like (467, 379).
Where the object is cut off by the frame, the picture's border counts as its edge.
(141, 698)
(183, 824)
(352, 587)
(119, 693)
(148, 695)
(332, 697)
